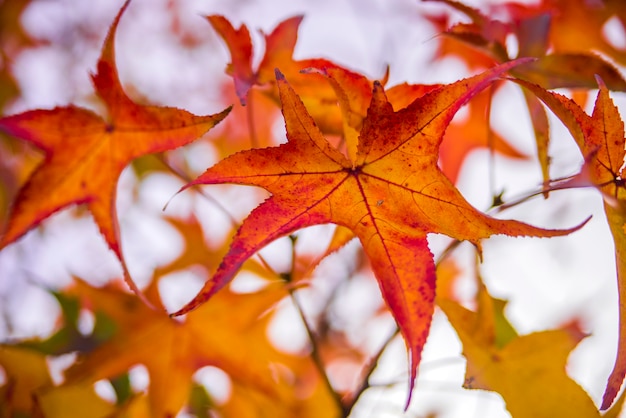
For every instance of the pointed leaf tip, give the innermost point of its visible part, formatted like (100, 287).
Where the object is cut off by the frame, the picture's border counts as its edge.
(410, 394)
(310, 180)
(108, 41)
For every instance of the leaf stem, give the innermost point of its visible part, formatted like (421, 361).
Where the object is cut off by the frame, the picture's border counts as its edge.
(254, 140)
(490, 143)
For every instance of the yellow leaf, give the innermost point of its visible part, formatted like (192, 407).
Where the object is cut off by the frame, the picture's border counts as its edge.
(528, 371)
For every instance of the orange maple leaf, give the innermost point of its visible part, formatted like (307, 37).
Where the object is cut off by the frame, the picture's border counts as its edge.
(573, 66)
(391, 196)
(172, 351)
(25, 373)
(495, 352)
(85, 154)
(589, 18)
(354, 93)
(197, 252)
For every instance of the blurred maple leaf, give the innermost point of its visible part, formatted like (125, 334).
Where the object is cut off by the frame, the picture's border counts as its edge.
(28, 390)
(570, 67)
(68, 338)
(172, 351)
(75, 401)
(279, 48)
(391, 196)
(314, 90)
(17, 161)
(312, 400)
(536, 29)
(540, 386)
(588, 17)
(197, 252)
(13, 39)
(25, 372)
(85, 154)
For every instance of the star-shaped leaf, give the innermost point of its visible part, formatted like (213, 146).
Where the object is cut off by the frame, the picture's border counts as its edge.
(85, 153)
(391, 196)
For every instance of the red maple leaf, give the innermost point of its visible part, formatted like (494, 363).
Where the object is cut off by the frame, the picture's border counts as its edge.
(391, 196)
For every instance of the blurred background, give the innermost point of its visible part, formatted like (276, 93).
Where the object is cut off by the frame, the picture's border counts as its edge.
(168, 54)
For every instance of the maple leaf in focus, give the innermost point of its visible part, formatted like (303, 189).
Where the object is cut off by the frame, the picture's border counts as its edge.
(391, 196)
(527, 371)
(172, 351)
(600, 138)
(85, 154)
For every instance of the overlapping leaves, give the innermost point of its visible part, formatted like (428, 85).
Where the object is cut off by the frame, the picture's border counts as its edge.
(361, 155)
(600, 138)
(391, 196)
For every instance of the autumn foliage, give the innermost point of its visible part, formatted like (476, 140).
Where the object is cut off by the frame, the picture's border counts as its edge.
(348, 196)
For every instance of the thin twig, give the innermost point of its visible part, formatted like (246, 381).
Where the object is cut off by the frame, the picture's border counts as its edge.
(367, 373)
(315, 351)
(553, 185)
(317, 358)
